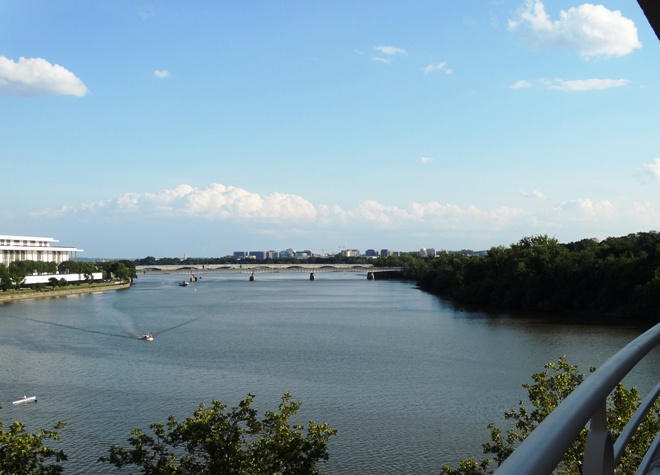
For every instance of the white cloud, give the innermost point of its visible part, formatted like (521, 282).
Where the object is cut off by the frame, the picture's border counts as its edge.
(654, 168)
(54, 213)
(573, 85)
(585, 84)
(37, 77)
(425, 160)
(590, 30)
(161, 74)
(218, 201)
(434, 68)
(389, 53)
(532, 194)
(585, 208)
(390, 50)
(242, 213)
(522, 84)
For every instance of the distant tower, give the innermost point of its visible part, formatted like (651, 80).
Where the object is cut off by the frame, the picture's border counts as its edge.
(185, 256)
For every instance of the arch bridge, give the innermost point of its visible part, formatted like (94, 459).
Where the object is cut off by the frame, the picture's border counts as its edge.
(252, 269)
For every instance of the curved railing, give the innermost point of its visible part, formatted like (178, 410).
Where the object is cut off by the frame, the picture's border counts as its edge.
(544, 448)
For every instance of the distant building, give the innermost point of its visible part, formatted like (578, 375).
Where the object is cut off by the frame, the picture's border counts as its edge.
(371, 253)
(385, 252)
(29, 248)
(241, 254)
(288, 253)
(263, 255)
(350, 253)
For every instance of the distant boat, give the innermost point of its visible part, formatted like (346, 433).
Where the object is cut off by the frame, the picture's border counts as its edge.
(184, 283)
(25, 400)
(147, 337)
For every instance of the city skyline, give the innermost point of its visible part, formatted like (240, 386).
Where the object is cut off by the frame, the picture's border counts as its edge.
(135, 129)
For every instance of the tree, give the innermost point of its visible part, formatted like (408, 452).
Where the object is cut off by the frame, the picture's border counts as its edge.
(547, 391)
(5, 283)
(17, 275)
(24, 453)
(217, 440)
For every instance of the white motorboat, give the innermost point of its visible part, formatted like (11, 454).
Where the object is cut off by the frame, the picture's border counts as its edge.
(147, 337)
(25, 400)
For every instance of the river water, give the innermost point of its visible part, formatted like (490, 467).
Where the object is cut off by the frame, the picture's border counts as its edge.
(410, 382)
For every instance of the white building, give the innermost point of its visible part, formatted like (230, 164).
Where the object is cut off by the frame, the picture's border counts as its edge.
(29, 248)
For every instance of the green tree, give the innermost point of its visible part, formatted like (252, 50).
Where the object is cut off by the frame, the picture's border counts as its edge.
(25, 453)
(217, 440)
(5, 283)
(548, 390)
(17, 273)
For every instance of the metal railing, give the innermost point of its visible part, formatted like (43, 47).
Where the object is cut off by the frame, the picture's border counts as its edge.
(543, 449)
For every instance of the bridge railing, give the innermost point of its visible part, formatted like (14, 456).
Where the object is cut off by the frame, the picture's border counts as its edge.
(543, 449)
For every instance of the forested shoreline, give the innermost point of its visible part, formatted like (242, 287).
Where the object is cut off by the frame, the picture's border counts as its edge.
(617, 276)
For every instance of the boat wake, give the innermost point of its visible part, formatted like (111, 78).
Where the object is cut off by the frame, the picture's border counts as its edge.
(87, 330)
(187, 322)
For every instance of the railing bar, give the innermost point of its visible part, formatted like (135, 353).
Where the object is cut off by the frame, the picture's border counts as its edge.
(650, 457)
(629, 431)
(545, 446)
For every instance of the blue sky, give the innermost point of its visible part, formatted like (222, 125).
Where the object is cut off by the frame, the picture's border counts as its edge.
(131, 129)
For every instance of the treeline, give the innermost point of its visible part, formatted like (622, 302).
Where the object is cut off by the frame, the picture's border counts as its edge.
(13, 275)
(619, 275)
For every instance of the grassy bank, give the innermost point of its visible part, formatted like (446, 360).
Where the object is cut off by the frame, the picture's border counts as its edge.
(25, 294)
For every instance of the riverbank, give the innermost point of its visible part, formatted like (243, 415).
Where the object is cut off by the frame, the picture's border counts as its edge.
(13, 295)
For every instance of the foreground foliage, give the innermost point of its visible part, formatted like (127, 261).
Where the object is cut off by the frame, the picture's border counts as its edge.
(217, 440)
(25, 453)
(548, 390)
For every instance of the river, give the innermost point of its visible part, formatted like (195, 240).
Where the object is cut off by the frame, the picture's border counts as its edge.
(410, 382)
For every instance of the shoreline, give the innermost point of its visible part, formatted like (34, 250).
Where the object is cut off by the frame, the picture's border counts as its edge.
(4, 297)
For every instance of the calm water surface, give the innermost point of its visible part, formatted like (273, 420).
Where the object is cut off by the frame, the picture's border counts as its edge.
(410, 382)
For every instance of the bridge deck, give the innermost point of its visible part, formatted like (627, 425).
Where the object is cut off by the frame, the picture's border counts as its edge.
(260, 269)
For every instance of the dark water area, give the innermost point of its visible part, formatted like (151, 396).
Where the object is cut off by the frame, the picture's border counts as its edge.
(410, 382)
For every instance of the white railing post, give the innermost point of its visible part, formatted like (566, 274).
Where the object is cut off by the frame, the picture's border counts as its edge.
(599, 449)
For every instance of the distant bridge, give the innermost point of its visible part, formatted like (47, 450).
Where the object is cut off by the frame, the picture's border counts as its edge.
(202, 269)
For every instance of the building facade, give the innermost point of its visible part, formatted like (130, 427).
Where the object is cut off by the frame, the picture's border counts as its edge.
(29, 248)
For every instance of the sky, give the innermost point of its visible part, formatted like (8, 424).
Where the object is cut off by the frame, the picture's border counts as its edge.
(133, 129)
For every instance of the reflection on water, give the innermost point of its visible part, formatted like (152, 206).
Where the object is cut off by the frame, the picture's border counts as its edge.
(410, 382)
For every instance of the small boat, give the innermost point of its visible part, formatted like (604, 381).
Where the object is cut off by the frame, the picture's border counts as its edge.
(184, 283)
(25, 400)
(147, 337)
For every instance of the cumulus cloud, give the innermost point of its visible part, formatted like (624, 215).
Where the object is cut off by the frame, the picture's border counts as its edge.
(532, 194)
(161, 74)
(221, 202)
(387, 53)
(37, 77)
(216, 205)
(390, 50)
(573, 85)
(586, 208)
(522, 84)
(654, 168)
(590, 30)
(585, 84)
(218, 201)
(434, 68)
(425, 160)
